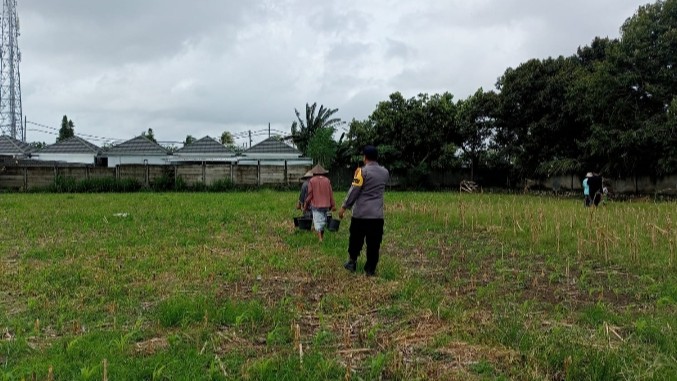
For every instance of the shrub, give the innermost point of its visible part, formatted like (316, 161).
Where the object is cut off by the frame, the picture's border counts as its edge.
(95, 185)
(163, 183)
(223, 185)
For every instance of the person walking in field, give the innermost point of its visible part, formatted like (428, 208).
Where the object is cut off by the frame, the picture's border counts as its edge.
(320, 199)
(595, 182)
(304, 192)
(365, 198)
(586, 190)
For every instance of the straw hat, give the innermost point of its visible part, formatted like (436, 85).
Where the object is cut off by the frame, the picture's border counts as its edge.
(589, 174)
(308, 175)
(319, 170)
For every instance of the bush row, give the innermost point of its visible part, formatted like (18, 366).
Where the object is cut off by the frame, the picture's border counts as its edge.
(161, 184)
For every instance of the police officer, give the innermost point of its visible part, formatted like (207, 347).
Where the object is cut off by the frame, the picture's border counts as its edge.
(365, 198)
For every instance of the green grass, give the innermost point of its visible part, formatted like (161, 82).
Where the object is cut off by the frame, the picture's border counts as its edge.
(220, 286)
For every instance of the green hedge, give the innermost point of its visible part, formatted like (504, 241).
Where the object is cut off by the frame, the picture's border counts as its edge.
(164, 183)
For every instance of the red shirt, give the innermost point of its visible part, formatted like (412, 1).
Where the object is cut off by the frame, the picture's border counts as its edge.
(320, 194)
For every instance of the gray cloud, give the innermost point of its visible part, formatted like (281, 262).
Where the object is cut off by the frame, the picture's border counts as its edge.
(117, 68)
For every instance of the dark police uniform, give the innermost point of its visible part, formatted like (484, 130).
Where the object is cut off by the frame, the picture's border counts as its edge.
(365, 198)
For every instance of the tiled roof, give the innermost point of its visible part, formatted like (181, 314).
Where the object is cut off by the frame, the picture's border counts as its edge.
(273, 145)
(139, 146)
(206, 145)
(9, 145)
(74, 144)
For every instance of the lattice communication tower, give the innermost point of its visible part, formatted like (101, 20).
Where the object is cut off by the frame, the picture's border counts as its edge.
(10, 78)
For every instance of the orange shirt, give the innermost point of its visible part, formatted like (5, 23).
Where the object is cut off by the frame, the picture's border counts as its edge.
(320, 194)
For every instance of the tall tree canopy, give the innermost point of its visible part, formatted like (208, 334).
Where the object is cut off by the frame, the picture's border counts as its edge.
(67, 129)
(322, 147)
(149, 134)
(610, 108)
(304, 129)
(539, 129)
(412, 134)
(634, 85)
(227, 138)
(475, 126)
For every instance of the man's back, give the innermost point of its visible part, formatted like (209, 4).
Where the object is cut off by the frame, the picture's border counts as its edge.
(369, 202)
(595, 184)
(320, 193)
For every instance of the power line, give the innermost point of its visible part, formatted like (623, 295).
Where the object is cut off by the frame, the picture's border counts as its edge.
(246, 135)
(94, 137)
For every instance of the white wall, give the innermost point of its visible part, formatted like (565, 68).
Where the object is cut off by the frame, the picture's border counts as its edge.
(202, 157)
(270, 156)
(151, 160)
(290, 162)
(81, 158)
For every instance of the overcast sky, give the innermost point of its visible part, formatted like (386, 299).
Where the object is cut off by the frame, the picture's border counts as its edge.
(117, 68)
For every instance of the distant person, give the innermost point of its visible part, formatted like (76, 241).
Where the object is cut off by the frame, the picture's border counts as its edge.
(365, 197)
(595, 184)
(319, 199)
(303, 194)
(586, 190)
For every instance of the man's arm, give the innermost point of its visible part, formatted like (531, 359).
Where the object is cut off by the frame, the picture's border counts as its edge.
(302, 196)
(309, 196)
(331, 195)
(353, 192)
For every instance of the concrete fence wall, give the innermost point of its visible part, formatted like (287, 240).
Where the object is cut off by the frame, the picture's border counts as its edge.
(36, 177)
(642, 185)
(30, 177)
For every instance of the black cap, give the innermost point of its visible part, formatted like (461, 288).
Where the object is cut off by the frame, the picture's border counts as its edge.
(370, 152)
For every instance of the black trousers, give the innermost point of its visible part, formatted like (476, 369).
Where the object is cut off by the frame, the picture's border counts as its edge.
(371, 231)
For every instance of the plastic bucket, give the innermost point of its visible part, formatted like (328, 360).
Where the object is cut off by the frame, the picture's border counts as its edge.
(333, 225)
(305, 223)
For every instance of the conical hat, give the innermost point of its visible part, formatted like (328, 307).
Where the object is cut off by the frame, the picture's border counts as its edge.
(319, 170)
(308, 175)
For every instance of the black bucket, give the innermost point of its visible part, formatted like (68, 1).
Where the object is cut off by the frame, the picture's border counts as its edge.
(304, 223)
(296, 222)
(333, 225)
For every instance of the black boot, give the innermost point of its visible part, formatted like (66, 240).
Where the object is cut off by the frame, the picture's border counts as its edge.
(350, 265)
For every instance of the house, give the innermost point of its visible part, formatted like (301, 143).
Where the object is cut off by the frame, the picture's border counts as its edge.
(273, 151)
(13, 147)
(71, 150)
(139, 150)
(206, 149)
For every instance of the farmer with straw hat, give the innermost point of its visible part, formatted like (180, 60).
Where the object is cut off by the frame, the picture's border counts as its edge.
(320, 199)
(586, 190)
(304, 192)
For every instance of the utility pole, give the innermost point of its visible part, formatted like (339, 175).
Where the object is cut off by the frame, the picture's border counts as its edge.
(10, 78)
(250, 138)
(269, 129)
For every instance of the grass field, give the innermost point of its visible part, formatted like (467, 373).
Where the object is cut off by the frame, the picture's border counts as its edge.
(221, 286)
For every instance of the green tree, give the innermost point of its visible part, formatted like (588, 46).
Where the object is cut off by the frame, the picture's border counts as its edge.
(149, 134)
(412, 134)
(303, 129)
(67, 129)
(539, 129)
(227, 139)
(475, 124)
(189, 140)
(37, 145)
(629, 90)
(322, 147)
